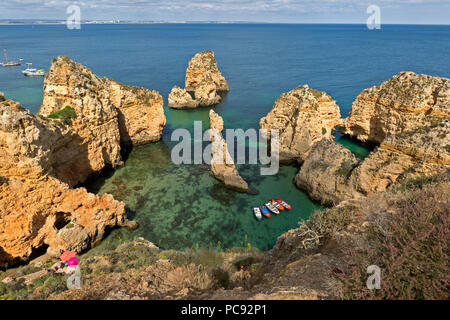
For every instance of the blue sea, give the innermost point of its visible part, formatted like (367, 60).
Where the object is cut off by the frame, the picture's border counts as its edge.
(183, 206)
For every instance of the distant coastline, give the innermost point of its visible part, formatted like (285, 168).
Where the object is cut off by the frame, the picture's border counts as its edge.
(58, 22)
(15, 22)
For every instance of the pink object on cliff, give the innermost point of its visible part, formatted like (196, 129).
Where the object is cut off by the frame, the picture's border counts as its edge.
(72, 262)
(67, 255)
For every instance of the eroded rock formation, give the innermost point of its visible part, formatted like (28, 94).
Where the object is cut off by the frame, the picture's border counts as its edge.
(106, 116)
(405, 102)
(222, 165)
(325, 172)
(203, 85)
(303, 117)
(331, 173)
(82, 125)
(407, 117)
(37, 210)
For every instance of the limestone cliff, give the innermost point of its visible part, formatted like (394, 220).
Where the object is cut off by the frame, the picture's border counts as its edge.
(222, 165)
(106, 115)
(303, 117)
(325, 172)
(331, 173)
(37, 210)
(405, 102)
(203, 85)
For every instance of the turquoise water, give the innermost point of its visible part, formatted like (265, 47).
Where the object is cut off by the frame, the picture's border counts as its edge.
(182, 206)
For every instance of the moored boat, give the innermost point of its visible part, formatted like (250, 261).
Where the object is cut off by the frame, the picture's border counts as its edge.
(257, 213)
(265, 211)
(277, 205)
(272, 208)
(30, 72)
(10, 63)
(284, 204)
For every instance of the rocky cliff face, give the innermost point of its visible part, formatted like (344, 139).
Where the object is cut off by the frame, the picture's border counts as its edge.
(105, 115)
(37, 210)
(408, 117)
(405, 102)
(331, 173)
(82, 124)
(325, 172)
(203, 85)
(303, 117)
(222, 165)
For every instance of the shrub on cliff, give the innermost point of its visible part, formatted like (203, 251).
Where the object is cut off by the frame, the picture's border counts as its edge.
(64, 115)
(410, 244)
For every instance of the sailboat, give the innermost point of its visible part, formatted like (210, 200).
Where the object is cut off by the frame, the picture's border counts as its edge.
(10, 63)
(29, 72)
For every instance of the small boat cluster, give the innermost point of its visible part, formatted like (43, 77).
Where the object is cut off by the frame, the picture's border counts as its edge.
(272, 206)
(29, 72)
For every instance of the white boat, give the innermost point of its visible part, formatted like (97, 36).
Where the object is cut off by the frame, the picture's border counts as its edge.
(272, 208)
(257, 213)
(30, 72)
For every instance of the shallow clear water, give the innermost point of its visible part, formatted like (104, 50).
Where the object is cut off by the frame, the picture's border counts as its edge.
(181, 206)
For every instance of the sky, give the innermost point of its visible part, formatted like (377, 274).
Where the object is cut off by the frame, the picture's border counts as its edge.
(276, 11)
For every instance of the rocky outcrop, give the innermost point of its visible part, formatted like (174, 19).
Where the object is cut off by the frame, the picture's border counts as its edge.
(103, 115)
(37, 210)
(303, 117)
(331, 173)
(203, 85)
(222, 165)
(325, 172)
(403, 103)
(181, 99)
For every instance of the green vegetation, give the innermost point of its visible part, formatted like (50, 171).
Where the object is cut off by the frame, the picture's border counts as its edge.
(65, 115)
(3, 180)
(346, 169)
(324, 131)
(320, 164)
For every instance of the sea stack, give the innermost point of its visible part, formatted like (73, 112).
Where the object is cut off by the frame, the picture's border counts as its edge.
(222, 165)
(303, 117)
(203, 85)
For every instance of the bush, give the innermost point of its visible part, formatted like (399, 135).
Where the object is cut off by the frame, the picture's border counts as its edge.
(65, 115)
(221, 278)
(410, 245)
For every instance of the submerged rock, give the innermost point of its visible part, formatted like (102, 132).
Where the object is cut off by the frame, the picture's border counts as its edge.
(203, 85)
(222, 165)
(405, 102)
(303, 117)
